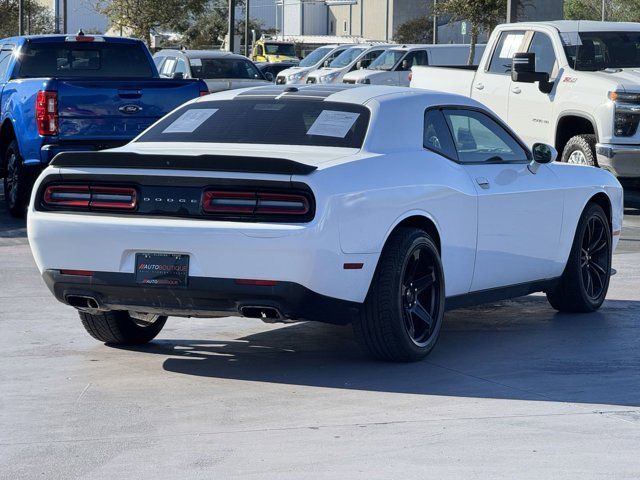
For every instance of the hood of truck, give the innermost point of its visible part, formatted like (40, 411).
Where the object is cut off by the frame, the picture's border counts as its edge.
(358, 75)
(625, 78)
(281, 58)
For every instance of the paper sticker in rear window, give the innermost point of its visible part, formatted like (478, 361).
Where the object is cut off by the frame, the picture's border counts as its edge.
(190, 120)
(195, 62)
(332, 123)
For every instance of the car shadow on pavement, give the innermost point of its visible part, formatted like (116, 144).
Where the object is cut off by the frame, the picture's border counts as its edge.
(518, 349)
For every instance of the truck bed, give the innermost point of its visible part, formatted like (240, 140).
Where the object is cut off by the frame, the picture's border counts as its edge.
(451, 79)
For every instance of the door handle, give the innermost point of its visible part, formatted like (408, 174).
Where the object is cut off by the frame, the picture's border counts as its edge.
(479, 86)
(516, 90)
(483, 182)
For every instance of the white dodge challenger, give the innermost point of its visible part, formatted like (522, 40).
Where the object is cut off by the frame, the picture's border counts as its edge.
(377, 206)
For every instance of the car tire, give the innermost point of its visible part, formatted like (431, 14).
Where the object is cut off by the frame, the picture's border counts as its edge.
(121, 328)
(585, 281)
(581, 150)
(17, 183)
(403, 312)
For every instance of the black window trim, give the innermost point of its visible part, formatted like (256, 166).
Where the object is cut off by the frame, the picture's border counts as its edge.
(493, 117)
(556, 65)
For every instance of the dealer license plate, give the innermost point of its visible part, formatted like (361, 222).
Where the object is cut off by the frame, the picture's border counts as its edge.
(162, 269)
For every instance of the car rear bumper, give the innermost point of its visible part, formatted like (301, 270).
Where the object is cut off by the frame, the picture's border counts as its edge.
(202, 297)
(621, 160)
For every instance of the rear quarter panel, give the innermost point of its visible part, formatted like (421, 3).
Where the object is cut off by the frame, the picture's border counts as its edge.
(450, 80)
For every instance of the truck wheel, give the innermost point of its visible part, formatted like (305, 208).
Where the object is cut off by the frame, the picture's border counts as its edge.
(581, 150)
(585, 281)
(17, 186)
(404, 308)
(122, 328)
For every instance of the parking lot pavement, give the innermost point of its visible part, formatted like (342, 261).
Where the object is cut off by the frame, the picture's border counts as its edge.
(513, 390)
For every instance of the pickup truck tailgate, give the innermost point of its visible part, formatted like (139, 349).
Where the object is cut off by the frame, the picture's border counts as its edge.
(111, 109)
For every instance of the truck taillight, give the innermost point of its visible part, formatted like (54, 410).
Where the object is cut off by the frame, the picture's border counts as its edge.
(90, 197)
(47, 112)
(255, 203)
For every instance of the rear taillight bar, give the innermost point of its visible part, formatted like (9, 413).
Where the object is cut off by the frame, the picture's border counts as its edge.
(91, 197)
(255, 203)
(47, 112)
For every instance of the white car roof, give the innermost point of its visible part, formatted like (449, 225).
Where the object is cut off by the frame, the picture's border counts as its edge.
(580, 26)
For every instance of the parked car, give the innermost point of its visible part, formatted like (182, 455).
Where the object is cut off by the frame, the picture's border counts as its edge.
(220, 70)
(357, 56)
(381, 206)
(313, 61)
(274, 51)
(393, 67)
(75, 92)
(271, 70)
(572, 84)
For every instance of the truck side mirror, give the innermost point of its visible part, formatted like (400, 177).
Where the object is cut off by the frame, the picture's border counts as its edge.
(542, 153)
(326, 64)
(178, 76)
(523, 70)
(405, 65)
(359, 65)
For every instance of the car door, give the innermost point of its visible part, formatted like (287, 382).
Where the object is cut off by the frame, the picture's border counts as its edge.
(530, 110)
(491, 84)
(519, 213)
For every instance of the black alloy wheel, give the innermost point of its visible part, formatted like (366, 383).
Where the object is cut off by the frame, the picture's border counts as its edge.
(420, 294)
(595, 258)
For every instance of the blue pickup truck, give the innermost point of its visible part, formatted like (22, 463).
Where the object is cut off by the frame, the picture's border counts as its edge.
(75, 92)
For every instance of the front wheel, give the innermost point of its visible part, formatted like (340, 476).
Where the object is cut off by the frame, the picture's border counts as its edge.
(581, 150)
(122, 328)
(404, 308)
(585, 281)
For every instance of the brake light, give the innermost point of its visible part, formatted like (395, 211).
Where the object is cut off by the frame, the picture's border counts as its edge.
(204, 93)
(254, 203)
(78, 273)
(410, 76)
(47, 112)
(91, 197)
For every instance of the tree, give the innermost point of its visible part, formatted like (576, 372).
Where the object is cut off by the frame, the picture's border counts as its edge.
(37, 18)
(417, 30)
(142, 17)
(614, 10)
(481, 14)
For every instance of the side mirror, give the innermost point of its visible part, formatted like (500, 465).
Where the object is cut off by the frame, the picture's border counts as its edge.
(178, 76)
(523, 70)
(405, 65)
(269, 76)
(542, 153)
(326, 64)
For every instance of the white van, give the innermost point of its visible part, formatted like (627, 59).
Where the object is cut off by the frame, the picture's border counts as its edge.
(357, 56)
(394, 66)
(308, 64)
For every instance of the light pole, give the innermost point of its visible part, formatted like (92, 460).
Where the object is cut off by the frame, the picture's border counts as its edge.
(21, 17)
(232, 24)
(246, 28)
(603, 11)
(512, 11)
(435, 22)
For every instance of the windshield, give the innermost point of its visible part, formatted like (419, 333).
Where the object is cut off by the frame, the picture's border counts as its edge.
(211, 68)
(387, 60)
(346, 57)
(285, 49)
(264, 121)
(316, 56)
(593, 51)
(90, 59)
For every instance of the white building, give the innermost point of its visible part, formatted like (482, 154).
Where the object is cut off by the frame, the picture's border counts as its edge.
(81, 14)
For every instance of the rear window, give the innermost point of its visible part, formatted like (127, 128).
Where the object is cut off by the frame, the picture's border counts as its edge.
(212, 68)
(95, 59)
(282, 122)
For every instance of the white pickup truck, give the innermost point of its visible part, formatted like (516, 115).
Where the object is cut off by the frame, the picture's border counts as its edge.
(572, 84)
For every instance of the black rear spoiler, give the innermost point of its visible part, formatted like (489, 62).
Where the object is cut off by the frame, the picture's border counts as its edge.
(218, 163)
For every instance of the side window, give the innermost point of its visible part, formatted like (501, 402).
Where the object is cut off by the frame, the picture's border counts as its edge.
(437, 136)
(366, 60)
(508, 45)
(181, 67)
(5, 59)
(168, 66)
(545, 55)
(478, 138)
(158, 61)
(420, 58)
